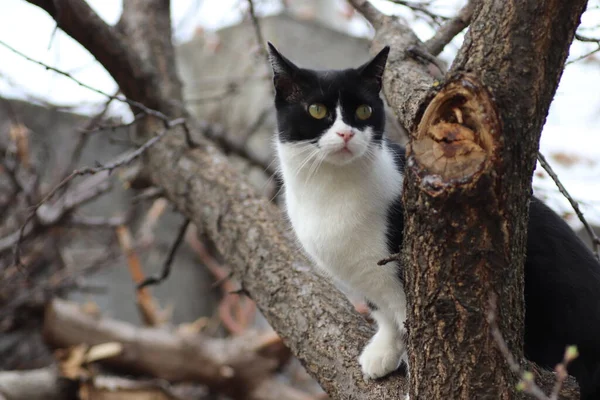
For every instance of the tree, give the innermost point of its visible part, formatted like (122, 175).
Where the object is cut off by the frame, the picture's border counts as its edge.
(509, 67)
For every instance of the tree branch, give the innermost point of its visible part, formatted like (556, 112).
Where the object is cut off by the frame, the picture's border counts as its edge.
(237, 367)
(450, 29)
(77, 19)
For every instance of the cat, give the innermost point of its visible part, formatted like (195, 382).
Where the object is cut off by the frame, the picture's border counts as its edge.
(342, 188)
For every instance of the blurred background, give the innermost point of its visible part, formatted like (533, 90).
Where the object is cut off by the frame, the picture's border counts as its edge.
(92, 246)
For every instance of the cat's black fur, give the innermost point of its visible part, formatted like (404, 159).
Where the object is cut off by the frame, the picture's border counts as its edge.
(562, 277)
(353, 86)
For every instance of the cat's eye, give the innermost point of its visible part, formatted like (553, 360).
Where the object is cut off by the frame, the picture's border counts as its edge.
(317, 111)
(363, 112)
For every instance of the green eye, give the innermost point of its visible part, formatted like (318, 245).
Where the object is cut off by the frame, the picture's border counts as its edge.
(317, 110)
(363, 112)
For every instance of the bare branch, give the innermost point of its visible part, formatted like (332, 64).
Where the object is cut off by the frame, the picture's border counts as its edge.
(449, 29)
(134, 104)
(373, 15)
(583, 38)
(77, 19)
(585, 55)
(595, 239)
(166, 269)
(258, 32)
(421, 8)
(108, 168)
(235, 367)
(527, 382)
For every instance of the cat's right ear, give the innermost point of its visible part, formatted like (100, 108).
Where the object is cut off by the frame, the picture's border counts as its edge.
(284, 74)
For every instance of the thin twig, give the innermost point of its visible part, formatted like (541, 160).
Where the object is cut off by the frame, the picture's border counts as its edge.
(389, 259)
(258, 32)
(450, 29)
(595, 239)
(91, 171)
(133, 103)
(527, 383)
(586, 55)
(84, 135)
(166, 269)
(421, 8)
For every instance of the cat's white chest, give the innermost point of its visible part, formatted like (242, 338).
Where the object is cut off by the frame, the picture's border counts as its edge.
(340, 218)
(342, 234)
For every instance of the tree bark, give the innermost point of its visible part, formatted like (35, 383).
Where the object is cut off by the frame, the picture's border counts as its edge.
(315, 321)
(468, 183)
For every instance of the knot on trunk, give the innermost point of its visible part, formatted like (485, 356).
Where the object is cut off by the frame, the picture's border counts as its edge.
(456, 138)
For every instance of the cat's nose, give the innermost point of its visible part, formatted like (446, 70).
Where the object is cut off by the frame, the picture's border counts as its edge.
(346, 135)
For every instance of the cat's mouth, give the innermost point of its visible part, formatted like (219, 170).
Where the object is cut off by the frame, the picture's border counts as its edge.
(344, 150)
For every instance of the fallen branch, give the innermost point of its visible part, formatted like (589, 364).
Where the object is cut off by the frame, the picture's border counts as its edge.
(48, 384)
(237, 367)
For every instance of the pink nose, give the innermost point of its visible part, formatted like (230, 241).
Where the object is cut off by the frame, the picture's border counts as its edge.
(346, 135)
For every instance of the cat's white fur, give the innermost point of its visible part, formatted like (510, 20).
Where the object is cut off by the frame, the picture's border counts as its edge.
(337, 202)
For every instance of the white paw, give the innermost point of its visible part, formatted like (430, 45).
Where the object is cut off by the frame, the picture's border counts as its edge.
(381, 356)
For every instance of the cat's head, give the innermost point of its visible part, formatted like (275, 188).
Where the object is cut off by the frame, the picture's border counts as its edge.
(338, 114)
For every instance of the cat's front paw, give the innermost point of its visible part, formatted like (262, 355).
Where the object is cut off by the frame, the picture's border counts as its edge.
(381, 356)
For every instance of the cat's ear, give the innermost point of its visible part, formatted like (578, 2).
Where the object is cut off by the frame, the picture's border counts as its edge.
(373, 70)
(284, 73)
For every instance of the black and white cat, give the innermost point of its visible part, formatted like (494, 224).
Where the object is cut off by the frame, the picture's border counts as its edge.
(343, 184)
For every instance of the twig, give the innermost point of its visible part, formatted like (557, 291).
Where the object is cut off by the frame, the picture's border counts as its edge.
(389, 259)
(236, 312)
(84, 135)
(146, 304)
(595, 239)
(583, 38)
(133, 103)
(91, 171)
(527, 383)
(450, 29)
(166, 269)
(421, 8)
(258, 32)
(586, 55)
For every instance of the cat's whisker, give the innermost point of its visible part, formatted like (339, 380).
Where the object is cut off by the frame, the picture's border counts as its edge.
(314, 153)
(315, 166)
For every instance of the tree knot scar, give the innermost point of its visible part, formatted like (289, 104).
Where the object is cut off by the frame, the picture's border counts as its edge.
(457, 137)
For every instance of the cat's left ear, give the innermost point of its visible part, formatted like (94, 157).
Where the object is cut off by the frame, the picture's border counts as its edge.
(284, 73)
(373, 70)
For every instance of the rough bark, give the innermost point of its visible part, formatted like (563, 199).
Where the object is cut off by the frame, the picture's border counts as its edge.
(315, 321)
(470, 164)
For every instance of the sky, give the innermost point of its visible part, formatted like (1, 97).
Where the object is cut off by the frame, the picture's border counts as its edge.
(571, 136)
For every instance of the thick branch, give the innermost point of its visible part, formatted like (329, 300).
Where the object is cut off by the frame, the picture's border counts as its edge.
(77, 19)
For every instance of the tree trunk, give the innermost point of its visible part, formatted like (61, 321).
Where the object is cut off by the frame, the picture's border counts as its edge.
(470, 163)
